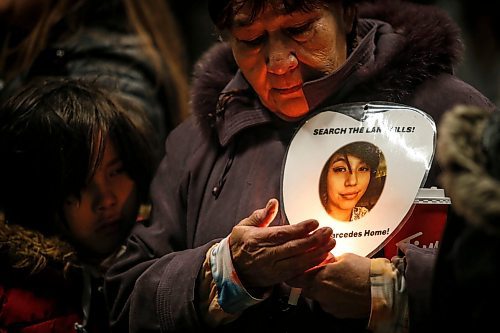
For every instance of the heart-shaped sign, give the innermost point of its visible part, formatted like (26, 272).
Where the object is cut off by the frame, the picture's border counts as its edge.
(358, 168)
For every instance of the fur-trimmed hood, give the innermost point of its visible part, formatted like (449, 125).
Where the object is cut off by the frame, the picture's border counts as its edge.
(467, 136)
(29, 252)
(422, 43)
(429, 44)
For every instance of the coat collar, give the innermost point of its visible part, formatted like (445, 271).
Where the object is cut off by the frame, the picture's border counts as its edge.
(239, 108)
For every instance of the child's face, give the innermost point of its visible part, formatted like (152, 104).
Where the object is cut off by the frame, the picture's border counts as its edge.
(102, 219)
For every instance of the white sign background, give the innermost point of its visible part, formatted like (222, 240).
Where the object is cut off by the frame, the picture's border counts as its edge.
(408, 152)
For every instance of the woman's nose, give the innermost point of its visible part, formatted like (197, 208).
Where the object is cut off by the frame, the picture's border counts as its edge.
(280, 58)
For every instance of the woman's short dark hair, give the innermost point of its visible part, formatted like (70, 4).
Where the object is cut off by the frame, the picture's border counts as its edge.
(222, 11)
(365, 151)
(52, 135)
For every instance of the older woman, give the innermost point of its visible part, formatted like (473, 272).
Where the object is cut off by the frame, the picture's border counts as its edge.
(206, 260)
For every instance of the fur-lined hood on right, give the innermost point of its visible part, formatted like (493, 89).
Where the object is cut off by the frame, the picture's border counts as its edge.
(468, 153)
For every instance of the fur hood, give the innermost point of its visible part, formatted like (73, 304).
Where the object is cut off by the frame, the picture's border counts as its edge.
(427, 43)
(430, 45)
(465, 142)
(29, 252)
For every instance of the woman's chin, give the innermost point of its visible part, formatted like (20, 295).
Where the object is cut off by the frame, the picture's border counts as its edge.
(291, 108)
(292, 114)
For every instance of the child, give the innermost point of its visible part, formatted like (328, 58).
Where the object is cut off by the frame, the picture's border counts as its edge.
(75, 167)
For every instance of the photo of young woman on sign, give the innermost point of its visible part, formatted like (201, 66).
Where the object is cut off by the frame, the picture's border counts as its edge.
(352, 180)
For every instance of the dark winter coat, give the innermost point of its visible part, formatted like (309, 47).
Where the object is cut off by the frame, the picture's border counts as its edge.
(226, 161)
(42, 286)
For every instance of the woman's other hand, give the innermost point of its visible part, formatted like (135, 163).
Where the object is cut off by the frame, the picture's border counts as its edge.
(341, 286)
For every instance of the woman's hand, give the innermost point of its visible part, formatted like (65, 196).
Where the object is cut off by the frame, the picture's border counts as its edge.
(341, 286)
(264, 256)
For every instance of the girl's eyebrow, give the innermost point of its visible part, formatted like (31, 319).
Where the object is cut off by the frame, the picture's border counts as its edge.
(339, 159)
(345, 159)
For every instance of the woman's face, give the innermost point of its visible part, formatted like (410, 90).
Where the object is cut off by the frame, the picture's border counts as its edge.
(108, 208)
(278, 52)
(347, 180)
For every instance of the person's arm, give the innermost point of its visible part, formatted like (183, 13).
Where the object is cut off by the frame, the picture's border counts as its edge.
(222, 296)
(394, 295)
(152, 286)
(419, 272)
(241, 270)
(355, 287)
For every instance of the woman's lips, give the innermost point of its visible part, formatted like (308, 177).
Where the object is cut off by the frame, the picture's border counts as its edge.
(286, 91)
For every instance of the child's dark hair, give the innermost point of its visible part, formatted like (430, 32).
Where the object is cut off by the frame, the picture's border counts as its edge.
(52, 135)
